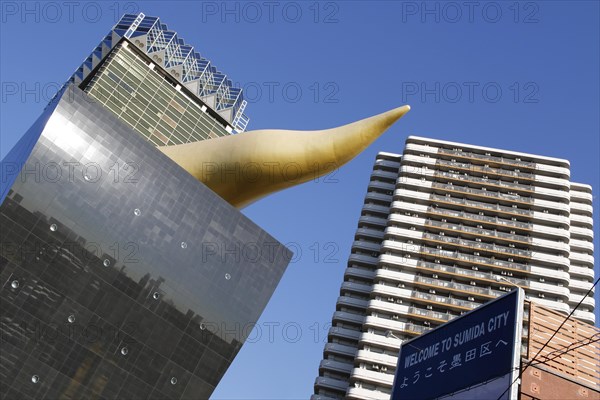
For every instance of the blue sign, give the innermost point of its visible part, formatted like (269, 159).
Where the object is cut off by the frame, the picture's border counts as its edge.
(469, 350)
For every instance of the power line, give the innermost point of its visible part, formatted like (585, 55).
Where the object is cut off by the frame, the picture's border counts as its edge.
(549, 340)
(580, 343)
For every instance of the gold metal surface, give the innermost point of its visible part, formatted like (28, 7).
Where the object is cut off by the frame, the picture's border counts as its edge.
(245, 167)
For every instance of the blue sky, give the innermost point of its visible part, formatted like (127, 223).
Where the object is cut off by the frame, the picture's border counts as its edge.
(528, 80)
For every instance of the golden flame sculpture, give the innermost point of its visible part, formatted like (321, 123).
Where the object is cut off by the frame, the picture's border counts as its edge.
(245, 167)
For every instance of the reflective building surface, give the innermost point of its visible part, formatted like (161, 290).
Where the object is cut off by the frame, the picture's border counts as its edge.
(123, 277)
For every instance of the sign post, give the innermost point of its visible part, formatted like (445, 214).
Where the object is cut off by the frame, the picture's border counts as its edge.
(475, 356)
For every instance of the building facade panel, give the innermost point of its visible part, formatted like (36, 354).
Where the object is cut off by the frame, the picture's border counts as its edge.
(123, 276)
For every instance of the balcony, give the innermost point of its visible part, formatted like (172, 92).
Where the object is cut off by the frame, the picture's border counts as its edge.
(337, 366)
(408, 294)
(588, 301)
(386, 306)
(486, 158)
(438, 316)
(580, 232)
(484, 181)
(581, 286)
(358, 393)
(362, 259)
(551, 219)
(585, 316)
(392, 176)
(485, 170)
(391, 291)
(562, 171)
(387, 198)
(586, 272)
(372, 339)
(547, 288)
(469, 258)
(439, 163)
(394, 276)
(352, 302)
(367, 274)
(481, 218)
(369, 233)
(447, 301)
(474, 245)
(552, 273)
(383, 186)
(343, 333)
(399, 309)
(373, 221)
(581, 258)
(581, 197)
(394, 325)
(376, 209)
(437, 283)
(376, 377)
(514, 198)
(330, 383)
(336, 348)
(581, 207)
(481, 205)
(387, 163)
(355, 287)
(564, 307)
(581, 246)
(478, 231)
(577, 219)
(366, 246)
(346, 316)
(465, 271)
(376, 358)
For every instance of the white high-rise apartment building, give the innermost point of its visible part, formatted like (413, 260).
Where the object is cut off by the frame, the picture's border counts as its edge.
(444, 228)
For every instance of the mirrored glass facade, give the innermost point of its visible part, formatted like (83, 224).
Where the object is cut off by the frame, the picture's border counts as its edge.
(122, 276)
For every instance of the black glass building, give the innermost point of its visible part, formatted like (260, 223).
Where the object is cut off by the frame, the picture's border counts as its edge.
(122, 276)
